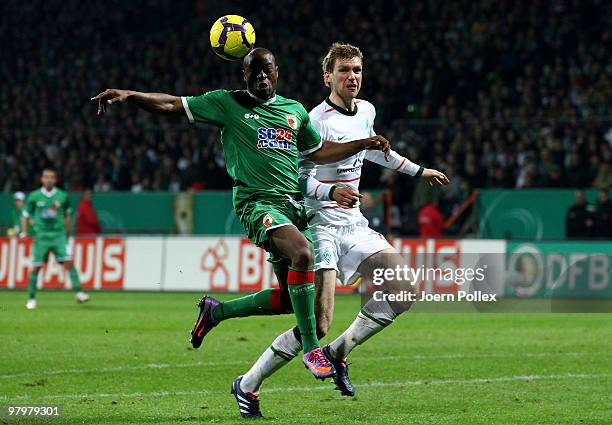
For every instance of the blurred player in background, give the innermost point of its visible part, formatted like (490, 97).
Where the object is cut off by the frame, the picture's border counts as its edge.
(15, 225)
(50, 212)
(262, 134)
(345, 247)
(87, 222)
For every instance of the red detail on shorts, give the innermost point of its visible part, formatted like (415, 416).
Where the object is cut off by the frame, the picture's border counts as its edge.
(329, 109)
(275, 300)
(299, 278)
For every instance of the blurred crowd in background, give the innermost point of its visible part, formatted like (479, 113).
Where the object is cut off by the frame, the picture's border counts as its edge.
(496, 94)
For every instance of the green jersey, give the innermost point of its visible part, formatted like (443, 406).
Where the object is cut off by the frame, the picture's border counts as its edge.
(47, 209)
(261, 140)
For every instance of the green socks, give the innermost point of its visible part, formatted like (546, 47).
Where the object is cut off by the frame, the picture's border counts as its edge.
(32, 280)
(260, 303)
(267, 302)
(301, 291)
(74, 278)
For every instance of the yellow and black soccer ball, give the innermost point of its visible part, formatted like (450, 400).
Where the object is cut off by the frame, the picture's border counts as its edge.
(232, 37)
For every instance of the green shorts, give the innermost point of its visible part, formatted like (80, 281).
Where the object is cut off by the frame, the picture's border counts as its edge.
(50, 242)
(259, 216)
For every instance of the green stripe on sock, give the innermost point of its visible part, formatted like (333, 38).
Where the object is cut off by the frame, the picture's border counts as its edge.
(299, 270)
(284, 356)
(381, 322)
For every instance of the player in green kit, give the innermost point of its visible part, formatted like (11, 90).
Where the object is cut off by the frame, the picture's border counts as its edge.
(15, 225)
(50, 211)
(262, 133)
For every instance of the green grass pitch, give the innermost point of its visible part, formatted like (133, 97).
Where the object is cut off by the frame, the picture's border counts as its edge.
(125, 358)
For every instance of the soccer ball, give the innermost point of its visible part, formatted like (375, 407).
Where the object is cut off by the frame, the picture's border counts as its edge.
(232, 37)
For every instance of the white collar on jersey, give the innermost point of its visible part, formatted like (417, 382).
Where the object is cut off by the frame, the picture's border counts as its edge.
(48, 193)
(261, 101)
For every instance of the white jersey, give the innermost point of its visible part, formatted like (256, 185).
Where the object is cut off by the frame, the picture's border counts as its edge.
(336, 124)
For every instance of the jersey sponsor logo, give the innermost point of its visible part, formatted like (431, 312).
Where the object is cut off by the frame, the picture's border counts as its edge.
(274, 138)
(292, 121)
(357, 164)
(356, 167)
(48, 212)
(348, 170)
(251, 116)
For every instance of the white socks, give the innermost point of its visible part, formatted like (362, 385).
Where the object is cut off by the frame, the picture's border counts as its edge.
(373, 317)
(284, 348)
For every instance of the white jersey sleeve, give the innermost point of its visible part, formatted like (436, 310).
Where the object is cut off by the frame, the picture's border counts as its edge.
(309, 185)
(307, 169)
(395, 162)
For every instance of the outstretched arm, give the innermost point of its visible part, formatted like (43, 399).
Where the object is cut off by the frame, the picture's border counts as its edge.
(152, 102)
(398, 163)
(334, 151)
(25, 222)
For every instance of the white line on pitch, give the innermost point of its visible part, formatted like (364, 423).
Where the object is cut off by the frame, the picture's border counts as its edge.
(242, 362)
(375, 384)
(122, 368)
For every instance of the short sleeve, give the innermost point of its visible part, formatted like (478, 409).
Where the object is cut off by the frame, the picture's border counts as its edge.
(66, 206)
(28, 208)
(209, 108)
(309, 139)
(371, 123)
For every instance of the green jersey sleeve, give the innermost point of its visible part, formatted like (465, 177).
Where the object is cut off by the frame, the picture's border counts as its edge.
(308, 138)
(30, 206)
(66, 206)
(209, 108)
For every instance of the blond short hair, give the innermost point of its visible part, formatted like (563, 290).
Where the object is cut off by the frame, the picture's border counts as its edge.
(340, 51)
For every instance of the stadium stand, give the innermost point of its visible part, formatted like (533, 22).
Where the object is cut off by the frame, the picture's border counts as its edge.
(497, 94)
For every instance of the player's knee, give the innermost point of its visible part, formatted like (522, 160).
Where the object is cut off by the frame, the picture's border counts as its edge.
(302, 258)
(399, 287)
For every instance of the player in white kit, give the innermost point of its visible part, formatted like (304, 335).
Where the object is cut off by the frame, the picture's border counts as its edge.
(345, 247)
(342, 238)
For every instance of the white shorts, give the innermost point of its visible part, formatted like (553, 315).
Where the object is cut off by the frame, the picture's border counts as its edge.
(344, 248)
